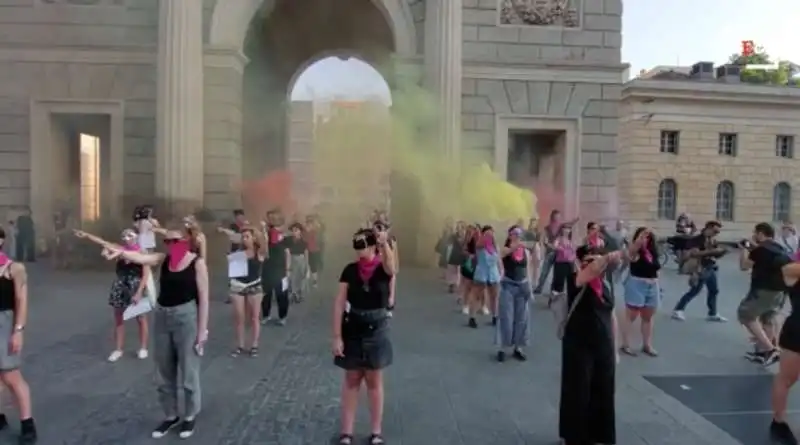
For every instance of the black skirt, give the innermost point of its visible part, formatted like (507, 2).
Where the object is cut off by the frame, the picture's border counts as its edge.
(367, 345)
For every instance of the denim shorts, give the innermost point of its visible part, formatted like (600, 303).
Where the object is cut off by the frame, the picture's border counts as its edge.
(642, 293)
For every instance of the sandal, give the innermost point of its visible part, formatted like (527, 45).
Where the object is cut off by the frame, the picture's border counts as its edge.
(345, 439)
(237, 352)
(650, 351)
(254, 351)
(627, 351)
(376, 439)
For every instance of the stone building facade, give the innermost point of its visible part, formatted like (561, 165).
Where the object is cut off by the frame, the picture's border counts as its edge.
(182, 119)
(715, 149)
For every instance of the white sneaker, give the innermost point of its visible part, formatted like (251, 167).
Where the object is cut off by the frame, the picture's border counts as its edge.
(678, 315)
(716, 318)
(115, 355)
(465, 310)
(485, 310)
(142, 354)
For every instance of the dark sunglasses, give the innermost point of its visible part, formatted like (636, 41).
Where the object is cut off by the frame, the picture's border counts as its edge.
(171, 240)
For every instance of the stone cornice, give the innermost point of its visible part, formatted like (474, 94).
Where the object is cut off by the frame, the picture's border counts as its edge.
(144, 56)
(711, 91)
(548, 72)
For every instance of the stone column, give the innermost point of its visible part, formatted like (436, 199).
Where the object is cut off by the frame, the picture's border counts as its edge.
(179, 136)
(443, 41)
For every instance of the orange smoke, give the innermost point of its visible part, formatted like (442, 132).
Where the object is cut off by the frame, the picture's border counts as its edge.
(271, 191)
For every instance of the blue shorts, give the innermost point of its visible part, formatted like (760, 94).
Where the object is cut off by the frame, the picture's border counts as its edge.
(642, 293)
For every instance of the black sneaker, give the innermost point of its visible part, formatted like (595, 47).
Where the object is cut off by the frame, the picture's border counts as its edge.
(782, 433)
(186, 429)
(472, 323)
(3, 422)
(771, 357)
(519, 355)
(494, 321)
(501, 356)
(163, 428)
(27, 434)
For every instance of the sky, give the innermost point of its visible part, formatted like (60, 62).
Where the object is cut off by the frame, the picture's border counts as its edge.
(680, 32)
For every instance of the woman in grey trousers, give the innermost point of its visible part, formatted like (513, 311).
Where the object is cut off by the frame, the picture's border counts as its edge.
(181, 329)
(513, 312)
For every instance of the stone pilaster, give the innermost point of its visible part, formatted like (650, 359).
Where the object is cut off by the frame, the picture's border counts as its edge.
(224, 70)
(179, 135)
(443, 68)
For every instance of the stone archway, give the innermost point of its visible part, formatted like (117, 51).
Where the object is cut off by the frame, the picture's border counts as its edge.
(231, 21)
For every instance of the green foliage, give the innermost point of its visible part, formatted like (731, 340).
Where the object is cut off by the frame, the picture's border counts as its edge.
(760, 76)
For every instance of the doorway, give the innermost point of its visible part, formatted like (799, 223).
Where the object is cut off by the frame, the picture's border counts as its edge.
(79, 173)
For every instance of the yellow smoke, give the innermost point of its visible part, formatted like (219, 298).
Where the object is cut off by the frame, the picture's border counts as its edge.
(364, 161)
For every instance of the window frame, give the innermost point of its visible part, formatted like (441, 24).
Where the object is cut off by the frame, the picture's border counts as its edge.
(779, 213)
(666, 206)
(723, 213)
(722, 148)
(789, 146)
(664, 142)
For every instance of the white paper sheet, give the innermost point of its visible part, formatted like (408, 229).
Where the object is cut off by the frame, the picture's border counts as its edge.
(142, 307)
(237, 264)
(285, 284)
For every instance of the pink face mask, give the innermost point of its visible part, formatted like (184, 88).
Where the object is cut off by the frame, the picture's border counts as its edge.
(4, 259)
(177, 249)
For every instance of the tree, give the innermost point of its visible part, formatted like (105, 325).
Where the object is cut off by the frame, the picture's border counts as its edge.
(779, 76)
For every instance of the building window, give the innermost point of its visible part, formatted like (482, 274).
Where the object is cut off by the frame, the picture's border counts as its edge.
(667, 199)
(725, 201)
(784, 146)
(669, 142)
(782, 202)
(728, 144)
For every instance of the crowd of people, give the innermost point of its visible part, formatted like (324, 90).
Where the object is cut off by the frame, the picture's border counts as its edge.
(495, 276)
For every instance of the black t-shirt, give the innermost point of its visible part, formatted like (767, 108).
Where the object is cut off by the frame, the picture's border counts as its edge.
(703, 244)
(374, 294)
(513, 269)
(276, 263)
(768, 258)
(296, 246)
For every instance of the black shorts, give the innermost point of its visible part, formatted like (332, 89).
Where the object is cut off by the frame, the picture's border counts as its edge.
(790, 335)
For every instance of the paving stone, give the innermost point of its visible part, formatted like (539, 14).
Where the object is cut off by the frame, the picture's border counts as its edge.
(443, 388)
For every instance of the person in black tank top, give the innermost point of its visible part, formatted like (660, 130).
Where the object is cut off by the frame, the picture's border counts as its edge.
(467, 269)
(275, 270)
(361, 344)
(642, 291)
(513, 312)
(180, 328)
(246, 293)
(789, 364)
(13, 316)
(129, 287)
(588, 355)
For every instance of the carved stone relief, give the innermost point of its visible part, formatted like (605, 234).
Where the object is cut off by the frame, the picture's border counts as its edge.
(84, 2)
(540, 13)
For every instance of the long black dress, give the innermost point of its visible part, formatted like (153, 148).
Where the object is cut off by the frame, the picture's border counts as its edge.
(586, 414)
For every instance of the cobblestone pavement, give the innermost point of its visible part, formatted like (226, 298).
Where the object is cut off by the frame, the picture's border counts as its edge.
(444, 387)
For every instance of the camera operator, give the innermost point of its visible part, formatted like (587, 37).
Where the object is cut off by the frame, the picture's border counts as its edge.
(759, 309)
(701, 265)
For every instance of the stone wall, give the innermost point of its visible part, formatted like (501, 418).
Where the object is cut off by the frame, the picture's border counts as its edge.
(74, 53)
(698, 167)
(597, 37)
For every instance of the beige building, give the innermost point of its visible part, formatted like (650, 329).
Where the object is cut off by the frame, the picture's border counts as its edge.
(188, 97)
(713, 147)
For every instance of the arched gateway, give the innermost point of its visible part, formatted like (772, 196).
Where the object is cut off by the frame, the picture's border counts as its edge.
(185, 98)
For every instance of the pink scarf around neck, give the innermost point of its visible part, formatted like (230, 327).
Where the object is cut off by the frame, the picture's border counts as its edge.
(367, 267)
(4, 259)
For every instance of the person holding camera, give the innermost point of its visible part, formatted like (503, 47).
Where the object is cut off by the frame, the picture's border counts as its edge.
(759, 309)
(702, 254)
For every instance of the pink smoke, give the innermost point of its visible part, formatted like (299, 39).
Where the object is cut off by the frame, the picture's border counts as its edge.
(271, 191)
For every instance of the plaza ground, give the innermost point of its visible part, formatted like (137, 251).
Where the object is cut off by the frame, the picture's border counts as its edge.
(444, 387)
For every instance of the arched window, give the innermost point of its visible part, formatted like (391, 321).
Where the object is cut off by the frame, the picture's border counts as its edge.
(782, 202)
(667, 199)
(726, 200)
